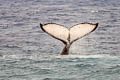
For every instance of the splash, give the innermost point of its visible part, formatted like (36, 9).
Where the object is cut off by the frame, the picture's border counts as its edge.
(86, 56)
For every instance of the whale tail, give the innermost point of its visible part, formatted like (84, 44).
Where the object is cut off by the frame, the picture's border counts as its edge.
(68, 36)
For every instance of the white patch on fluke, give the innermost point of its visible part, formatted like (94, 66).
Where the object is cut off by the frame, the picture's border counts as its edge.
(57, 31)
(68, 36)
(80, 30)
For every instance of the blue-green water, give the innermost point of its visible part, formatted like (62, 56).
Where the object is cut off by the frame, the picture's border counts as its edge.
(72, 67)
(27, 53)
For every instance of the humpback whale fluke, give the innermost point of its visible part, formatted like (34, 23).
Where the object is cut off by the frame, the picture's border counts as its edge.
(68, 36)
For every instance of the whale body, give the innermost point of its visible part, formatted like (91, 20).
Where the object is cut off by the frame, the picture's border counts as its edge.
(68, 36)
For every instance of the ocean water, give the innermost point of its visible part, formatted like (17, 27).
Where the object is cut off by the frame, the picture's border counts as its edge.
(27, 53)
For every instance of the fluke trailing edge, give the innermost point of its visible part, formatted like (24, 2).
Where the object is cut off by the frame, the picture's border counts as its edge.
(68, 36)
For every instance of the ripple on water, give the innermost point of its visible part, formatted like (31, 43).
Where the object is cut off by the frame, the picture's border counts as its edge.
(25, 49)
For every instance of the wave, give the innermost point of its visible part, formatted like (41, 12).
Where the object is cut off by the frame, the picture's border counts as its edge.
(46, 56)
(86, 56)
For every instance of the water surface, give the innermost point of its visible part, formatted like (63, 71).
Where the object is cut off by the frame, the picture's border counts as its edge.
(27, 53)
